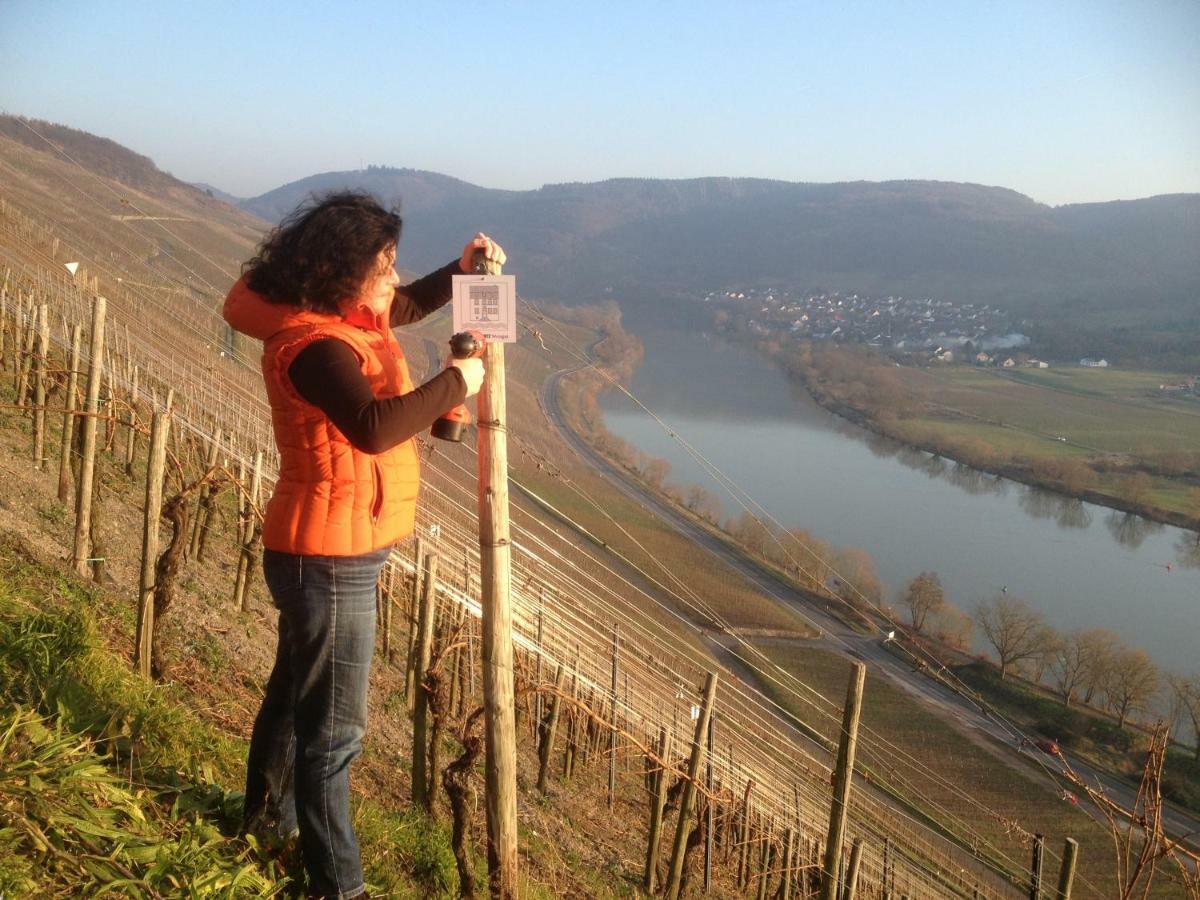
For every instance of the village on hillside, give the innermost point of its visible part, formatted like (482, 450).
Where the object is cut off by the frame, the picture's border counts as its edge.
(939, 331)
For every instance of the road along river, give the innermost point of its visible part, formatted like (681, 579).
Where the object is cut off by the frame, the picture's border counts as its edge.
(1082, 565)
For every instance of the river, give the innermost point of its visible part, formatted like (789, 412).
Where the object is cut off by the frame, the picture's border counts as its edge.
(1081, 565)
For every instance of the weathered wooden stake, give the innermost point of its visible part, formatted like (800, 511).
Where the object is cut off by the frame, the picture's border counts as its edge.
(132, 421)
(422, 793)
(414, 603)
(87, 465)
(160, 427)
(539, 705)
(550, 731)
(1035, 867)
(3, 325)
(789, 853)
(68, 420)
(850, 882)
(765, 864)
(743, 833)
(612, 741)
(842, 778)
(710, 830)
(658, 803)
(40, 379)
(500, 766)
(675, 876)
(387, 594)
(1066, 875)
(887, 863)
(26, 346)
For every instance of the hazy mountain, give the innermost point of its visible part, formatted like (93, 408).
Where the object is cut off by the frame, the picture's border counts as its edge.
(642, 239)
(1126, 271)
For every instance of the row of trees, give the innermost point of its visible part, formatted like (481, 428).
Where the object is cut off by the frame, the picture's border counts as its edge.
(1092, 666)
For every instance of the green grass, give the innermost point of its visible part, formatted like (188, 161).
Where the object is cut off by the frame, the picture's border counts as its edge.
(1087, 733)
(132, 787)
(1109, 411)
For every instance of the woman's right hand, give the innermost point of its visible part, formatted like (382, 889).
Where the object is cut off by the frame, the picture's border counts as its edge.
(472, 372)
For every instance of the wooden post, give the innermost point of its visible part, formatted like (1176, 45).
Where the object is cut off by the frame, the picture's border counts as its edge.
(612, 742)
(414, 601)
(539, 706)
(83, 490)
(3, 323)
(886, 892)
(657, 805)
(422, 794)
(743, 837)
(764, 863)
(26, 346)
(852, 872)
(550, 731)
(789, 851)
(68, 421)
(495, 569)
(1066, 875)
(1035, 867)
(386, 593)
(675, 877)
(131, 444)
(159, 428)
(710, 830)
(843, 776)
(39, 388)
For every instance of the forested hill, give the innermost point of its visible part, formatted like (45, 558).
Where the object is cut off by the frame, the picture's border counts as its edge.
(644, 238)
(1094, 278)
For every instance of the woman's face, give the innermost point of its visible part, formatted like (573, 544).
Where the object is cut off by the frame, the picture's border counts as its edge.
(379, 288)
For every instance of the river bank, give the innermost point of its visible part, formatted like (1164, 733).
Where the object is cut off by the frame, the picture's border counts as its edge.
(964, 439)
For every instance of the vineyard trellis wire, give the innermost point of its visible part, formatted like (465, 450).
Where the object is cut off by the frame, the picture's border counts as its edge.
(659, 678)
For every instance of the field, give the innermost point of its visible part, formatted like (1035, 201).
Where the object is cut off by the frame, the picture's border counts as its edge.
(1095, 410)
(980, 791)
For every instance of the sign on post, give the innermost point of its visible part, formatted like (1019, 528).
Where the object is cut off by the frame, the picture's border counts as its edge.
(487, 304)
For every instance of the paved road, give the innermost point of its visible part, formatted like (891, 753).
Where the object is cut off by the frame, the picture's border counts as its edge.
(836, 634)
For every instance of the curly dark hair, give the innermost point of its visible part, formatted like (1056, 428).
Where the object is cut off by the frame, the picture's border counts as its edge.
(323, 251)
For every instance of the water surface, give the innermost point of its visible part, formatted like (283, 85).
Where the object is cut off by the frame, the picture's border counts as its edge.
(1082, 565)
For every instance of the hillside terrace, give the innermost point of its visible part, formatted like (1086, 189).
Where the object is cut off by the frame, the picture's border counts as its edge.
(896, 322)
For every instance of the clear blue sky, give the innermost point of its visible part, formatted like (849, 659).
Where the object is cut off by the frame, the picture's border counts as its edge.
(1063, 101)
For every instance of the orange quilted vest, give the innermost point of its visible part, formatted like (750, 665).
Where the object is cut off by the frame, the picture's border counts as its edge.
(330, 499)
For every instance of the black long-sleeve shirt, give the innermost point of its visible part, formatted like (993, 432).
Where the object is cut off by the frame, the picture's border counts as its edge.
(326, 373)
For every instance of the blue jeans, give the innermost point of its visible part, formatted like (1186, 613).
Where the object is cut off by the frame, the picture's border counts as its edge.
(314, 715)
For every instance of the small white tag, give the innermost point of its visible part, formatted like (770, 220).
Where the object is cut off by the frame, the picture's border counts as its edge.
(487, 304)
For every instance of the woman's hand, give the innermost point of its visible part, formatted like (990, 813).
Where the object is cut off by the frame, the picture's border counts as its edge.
(472, 372)
(491, 251)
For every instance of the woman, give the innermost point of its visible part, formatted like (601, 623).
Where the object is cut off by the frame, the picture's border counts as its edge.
(322, 294)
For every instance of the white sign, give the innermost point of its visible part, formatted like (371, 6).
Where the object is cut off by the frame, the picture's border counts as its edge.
(487, 304)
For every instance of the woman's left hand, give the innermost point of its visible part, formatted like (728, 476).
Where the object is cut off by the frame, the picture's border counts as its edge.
(491, 251)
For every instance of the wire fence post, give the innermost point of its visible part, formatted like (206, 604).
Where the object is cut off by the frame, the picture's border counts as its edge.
(658, 803)
(1066, 875)
(612, 741)
(83, 490)
(159, 428)
(68, 420)
(40, 378)
(675, 876)
(709, 830)
(842, 778)
(500, 761)
(1035, 867)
